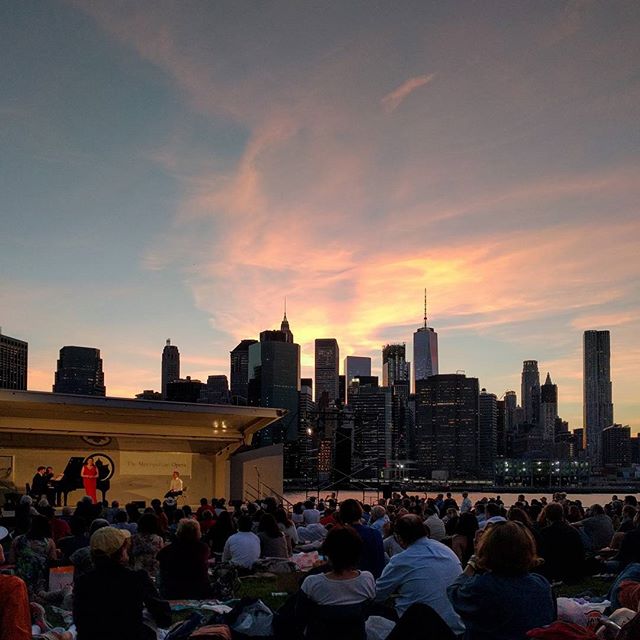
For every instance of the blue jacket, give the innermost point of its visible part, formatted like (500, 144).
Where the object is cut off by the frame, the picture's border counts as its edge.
(372, 558)
(495, 607)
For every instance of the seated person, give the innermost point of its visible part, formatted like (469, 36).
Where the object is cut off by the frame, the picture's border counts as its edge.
(372, 555)
(496, 596)
(121, 521)
(597, 529)
(184, 564)
(109, 600)
(15, 616)
(145, 545)
(33, 553)
(242, 548)
(560, 545)
(273, 542)
(340, 595)
(78, 539)
(421, 573)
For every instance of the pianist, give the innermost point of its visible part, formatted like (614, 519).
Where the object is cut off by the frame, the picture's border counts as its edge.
(39, 483)
(54, 492)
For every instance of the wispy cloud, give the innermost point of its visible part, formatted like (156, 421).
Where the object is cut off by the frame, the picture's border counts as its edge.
(394, 99)
(494, 195)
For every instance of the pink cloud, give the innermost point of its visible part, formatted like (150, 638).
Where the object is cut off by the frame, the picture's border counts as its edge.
(351, 213)
(394, 99)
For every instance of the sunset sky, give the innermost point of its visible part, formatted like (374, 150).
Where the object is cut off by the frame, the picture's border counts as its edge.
(175, 169)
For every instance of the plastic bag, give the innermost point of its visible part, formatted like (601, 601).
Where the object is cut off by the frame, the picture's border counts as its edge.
(255, 619)
(378, 628)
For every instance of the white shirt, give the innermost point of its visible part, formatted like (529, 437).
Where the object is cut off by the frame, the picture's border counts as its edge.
(323, 590)
(311, 516)
(176, 484)
(242, 548)
(436, 527)
(466, 505)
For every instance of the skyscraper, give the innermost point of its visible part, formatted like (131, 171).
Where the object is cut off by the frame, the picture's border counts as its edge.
(274, 381)
(530, 391)
(425, 350)
(446, 429)
(240, 371)
(616, 446)
(372, 408)
(598, 406)
(395, 369)
(327, 361)
(216, 390)
(13, 363)
(80, 371)
(487, 432)
(354, 367)
(548, 409)
(170, 366)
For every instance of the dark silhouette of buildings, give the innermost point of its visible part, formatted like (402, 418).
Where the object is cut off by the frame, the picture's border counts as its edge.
(13, 363)
(548, 409)
(487, 432)
(327, 363)
(446, 429)
(616, 446)
(395, 369)
(530, 391)
(598, 405)
(240, 372)
(372, 408)
(170, 366)
(80, 371)
(216, 391)
(186, 390)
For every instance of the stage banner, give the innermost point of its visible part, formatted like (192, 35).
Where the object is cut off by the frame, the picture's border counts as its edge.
(159, 463)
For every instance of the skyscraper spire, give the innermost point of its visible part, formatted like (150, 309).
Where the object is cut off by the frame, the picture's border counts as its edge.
(425, 308)
(284, 325)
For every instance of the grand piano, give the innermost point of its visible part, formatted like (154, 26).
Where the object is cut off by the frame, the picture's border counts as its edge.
(72, 480)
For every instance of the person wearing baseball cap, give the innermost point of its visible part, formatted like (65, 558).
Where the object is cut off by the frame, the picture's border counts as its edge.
(109, 600)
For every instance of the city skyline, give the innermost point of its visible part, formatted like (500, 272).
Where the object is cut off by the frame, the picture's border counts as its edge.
(176, 173)
(379, 371)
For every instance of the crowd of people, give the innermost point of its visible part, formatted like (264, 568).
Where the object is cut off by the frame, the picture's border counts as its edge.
(434, 567)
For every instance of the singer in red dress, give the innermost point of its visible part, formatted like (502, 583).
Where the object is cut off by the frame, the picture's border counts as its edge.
(90, 479)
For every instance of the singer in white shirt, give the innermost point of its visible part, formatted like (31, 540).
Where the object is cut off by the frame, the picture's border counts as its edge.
(176, 487)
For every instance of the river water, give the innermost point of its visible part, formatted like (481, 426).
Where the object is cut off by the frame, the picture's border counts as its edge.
(371, 497)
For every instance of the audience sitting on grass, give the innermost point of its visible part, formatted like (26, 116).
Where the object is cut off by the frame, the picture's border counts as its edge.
(410, 565)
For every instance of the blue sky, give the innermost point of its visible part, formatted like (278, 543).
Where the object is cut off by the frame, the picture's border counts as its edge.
(177, 169)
